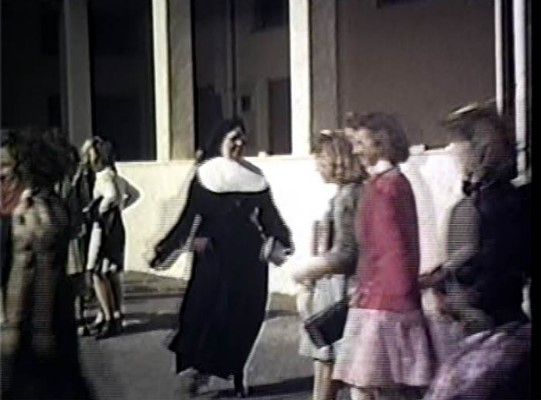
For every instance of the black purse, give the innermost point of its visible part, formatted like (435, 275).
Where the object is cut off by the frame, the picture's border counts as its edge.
(327, 326)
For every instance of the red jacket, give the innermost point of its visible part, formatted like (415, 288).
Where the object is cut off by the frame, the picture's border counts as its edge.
(386, 228)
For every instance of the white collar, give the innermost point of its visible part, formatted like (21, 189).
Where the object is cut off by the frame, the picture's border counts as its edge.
(223, 175)
(380, 167)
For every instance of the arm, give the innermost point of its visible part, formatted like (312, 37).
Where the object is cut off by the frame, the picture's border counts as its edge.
(272, 221)
(315, 268)
(179, 233)
(342, 256)
(464, 233)
(129, 193)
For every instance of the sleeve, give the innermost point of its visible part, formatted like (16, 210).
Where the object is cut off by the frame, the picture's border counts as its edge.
(179, 233)
(50, 235)
(469, 220)
(272, 221)
(129, 194)
(395, 237)
(344, 251)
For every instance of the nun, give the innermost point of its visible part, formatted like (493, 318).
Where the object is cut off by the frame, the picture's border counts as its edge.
(228, 215)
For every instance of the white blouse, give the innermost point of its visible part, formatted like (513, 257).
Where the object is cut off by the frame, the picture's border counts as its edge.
(106, 186)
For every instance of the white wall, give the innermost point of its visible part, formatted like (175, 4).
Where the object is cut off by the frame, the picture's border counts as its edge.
(300, 195)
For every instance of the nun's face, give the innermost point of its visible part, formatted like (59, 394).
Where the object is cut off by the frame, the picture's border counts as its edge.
(233, 144)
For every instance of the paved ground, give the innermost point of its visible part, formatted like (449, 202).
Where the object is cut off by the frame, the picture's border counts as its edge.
(137, 365)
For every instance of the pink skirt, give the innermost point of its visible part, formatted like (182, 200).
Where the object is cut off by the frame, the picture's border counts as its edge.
(384, 349)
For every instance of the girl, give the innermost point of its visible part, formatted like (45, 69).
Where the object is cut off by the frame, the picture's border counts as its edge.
(107, 241)
(330, 270)
(386, 347)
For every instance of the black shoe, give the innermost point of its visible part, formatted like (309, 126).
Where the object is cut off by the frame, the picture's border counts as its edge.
(240, 390)
(96, 326)
(119, 324)
(108, 330)
(83, 330)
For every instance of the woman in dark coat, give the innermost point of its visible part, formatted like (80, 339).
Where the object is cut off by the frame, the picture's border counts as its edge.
(224, 305)
(485, 289)
(483, 278)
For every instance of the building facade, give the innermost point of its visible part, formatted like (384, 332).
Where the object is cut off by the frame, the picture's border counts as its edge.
(154, 76)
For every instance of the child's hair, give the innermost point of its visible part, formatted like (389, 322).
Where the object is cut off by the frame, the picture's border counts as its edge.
(41, 157)
(346, 166)
(104, 151)
(387, 133)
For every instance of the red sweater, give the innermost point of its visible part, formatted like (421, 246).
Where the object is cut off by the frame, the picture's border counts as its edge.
(386, 228)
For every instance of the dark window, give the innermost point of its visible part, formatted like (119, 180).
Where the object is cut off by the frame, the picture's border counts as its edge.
(279, 116)
(123, 76)
(49, 18)
(230, 76)
(30, 82)
(270, 13)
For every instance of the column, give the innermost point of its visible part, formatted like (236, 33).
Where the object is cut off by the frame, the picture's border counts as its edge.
(77, 71)
(498, 53)
(520, 66)
(182, 131)
(161, 79)
(299, 36)
(325, 113)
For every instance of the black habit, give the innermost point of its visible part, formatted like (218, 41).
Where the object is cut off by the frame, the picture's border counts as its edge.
(224, 304)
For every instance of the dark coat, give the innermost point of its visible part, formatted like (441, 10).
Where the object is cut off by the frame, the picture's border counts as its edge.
(40, 346)
(493, 277)
(224, 305)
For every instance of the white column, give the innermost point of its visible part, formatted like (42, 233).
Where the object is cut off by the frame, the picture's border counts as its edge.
(181, 81)
(498, 53)
(77, 63)
(161, 79)
(519, 45)
(299, 43)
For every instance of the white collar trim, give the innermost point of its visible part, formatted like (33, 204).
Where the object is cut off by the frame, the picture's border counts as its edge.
(223, 175)
(380, 167)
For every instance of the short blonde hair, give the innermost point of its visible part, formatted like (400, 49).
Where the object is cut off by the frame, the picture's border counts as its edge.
(345, 166)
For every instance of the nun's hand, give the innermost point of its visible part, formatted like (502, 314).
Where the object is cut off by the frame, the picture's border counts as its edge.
(201, 244)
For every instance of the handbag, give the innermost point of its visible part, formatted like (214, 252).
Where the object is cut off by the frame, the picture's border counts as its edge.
(327, 326)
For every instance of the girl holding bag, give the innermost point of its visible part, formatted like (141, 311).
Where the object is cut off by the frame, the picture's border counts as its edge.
(324, 277)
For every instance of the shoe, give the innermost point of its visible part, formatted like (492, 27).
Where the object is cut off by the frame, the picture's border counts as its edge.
(108, 330)
(83, 330)
(240, 390)
(119, 324)
(96, 325)
(199, 384)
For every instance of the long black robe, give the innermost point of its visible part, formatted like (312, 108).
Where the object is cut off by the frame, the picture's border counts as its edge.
(224, 304)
